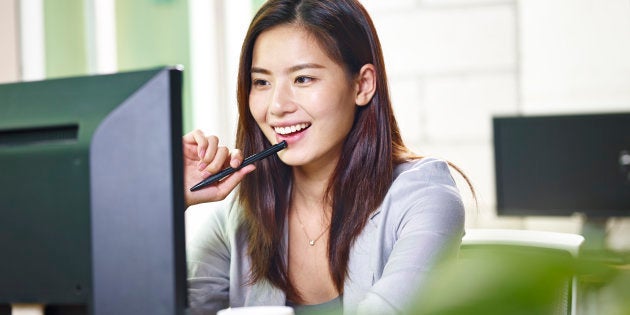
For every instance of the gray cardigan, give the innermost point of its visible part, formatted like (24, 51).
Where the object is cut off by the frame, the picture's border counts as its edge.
(420, 220)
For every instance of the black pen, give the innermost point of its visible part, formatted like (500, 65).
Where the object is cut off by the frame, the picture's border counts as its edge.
(249, 160)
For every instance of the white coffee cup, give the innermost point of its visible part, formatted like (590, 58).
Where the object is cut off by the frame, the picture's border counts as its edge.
(257, 310)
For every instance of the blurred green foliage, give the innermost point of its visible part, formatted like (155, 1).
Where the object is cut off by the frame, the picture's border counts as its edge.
(523, 281)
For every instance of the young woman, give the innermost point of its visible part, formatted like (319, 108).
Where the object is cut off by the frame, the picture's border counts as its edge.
(345, 218)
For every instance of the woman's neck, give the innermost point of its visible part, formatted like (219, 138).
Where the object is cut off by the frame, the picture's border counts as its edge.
(309, 190)
(312, 180)
(308, 193)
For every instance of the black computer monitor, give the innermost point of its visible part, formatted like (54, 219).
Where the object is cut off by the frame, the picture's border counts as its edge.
(91, 194)
(558, 165)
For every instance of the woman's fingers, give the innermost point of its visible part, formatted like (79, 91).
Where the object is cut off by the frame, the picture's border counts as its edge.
(219, 190)
(204, 157)
(215, 160)
(228, 184)
(236, 158)
(191, 147)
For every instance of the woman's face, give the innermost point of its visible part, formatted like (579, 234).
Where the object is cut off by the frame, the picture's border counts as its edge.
(300, 95)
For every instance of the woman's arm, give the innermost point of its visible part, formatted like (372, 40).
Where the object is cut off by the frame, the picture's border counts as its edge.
(208, 258)
(426, 224)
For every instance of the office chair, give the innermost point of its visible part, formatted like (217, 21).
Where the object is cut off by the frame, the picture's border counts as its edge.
(544, 262)
(505, 272)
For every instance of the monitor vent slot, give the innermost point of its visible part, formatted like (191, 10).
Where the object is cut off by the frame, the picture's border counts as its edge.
(40, 135)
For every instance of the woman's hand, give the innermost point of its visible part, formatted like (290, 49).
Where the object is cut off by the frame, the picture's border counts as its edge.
(203, 157)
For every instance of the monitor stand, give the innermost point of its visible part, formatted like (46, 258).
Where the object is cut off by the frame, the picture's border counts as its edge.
(594, 232)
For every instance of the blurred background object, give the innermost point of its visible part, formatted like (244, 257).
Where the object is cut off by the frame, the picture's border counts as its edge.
(514, 272)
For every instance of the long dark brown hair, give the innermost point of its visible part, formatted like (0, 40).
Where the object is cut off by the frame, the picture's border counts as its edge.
(364, 171)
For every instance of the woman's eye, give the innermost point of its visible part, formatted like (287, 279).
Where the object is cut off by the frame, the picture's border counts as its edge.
(303, 79)
(260, 82)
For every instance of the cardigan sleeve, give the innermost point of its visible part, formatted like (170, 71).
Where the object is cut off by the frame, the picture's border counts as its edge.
(423, 224)
(208, 259)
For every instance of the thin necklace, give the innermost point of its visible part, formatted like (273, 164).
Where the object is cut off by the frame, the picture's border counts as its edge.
(311, 241)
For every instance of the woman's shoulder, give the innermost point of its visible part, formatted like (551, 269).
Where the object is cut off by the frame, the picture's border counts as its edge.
(427, 169)
(423, 197)
(423, 184)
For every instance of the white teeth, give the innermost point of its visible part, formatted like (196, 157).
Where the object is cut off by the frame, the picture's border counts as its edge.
(290, 129)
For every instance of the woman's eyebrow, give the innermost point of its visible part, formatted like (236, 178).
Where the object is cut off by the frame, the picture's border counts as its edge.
(290, 70)
(259, 70)
(305, 66)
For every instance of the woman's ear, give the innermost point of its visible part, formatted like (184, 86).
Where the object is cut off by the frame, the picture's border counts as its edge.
(365, 84)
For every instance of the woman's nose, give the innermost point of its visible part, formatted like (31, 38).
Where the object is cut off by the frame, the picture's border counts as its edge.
(282, 101)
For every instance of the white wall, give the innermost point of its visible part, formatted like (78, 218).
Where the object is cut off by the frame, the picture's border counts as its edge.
(217, 30)
(9, 50)
(453, 64)
(575, 55)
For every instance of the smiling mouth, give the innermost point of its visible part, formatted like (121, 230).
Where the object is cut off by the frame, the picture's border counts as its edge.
(288, 130)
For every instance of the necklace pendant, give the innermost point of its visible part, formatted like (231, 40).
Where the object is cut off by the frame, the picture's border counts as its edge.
(311, 242)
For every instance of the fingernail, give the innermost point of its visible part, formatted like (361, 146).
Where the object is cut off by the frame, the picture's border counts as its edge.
(235, 163)
(202, 166)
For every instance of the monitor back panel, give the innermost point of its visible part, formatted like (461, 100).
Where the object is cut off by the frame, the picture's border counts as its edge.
(559, 165)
